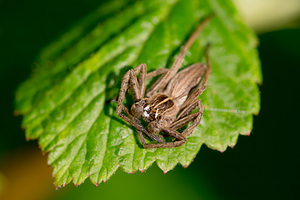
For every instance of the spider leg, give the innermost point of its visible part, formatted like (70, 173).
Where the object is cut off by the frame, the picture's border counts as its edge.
(142, 69)
(123, 90)
(195, 94)
(164, 80)
(185, 117)
(180, 139)
(157, 72)
(135, 86)
(160, 81)
(141, 83)
(203, 84)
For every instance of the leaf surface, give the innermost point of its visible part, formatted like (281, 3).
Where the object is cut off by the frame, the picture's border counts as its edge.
(63, 103)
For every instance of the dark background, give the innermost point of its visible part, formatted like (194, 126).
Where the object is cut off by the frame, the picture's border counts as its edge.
(263, 166)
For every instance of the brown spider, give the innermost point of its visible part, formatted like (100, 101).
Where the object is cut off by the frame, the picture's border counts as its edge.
(167, 105)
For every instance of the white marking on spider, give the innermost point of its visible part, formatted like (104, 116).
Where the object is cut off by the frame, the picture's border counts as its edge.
(156, 114)
(147, 108)
(145, 114)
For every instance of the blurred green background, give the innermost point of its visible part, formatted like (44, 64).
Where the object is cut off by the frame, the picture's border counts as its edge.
(263, 166)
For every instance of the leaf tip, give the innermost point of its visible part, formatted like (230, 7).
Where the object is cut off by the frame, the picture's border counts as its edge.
(248, 134)
(185, 166)
(56, 186)
(165, 171)
(222, 150)
(75, 184)
(64, 185)
(96, 184)
(142, 171)
(232, 146)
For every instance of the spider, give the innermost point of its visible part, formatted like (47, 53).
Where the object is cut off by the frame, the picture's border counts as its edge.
(169, 103)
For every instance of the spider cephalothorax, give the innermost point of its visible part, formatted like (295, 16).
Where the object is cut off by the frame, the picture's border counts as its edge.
(153, 108)
(158, 111)
(169, 103)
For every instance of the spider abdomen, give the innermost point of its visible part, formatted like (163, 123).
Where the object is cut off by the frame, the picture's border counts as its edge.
(180, 86)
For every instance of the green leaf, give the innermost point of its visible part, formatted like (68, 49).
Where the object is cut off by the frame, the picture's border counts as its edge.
(63, 103)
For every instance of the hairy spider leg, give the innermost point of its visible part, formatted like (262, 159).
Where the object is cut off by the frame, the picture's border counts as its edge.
(165, 78)
(180, 139)
(186, 117)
